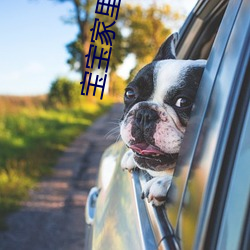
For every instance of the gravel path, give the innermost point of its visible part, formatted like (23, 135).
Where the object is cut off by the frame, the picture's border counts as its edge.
(53, 218)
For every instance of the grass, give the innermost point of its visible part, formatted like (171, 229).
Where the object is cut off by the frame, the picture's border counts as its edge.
(31, 138)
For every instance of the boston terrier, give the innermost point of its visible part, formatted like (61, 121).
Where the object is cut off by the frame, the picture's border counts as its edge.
(158, 102)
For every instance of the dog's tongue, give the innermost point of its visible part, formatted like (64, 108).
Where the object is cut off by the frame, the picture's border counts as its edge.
(145, 149)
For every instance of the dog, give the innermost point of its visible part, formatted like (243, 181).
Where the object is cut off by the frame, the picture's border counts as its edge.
(158, 102)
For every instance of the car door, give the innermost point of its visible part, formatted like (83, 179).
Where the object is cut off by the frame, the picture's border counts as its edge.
(122, 220)
(207, 184)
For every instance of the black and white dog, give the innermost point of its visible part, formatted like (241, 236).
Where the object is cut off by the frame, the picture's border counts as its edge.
(158, 102)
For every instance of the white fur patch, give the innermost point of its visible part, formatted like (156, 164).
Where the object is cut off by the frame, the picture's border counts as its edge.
(169, 74)
(167, 138)
(125, 131)
(157, 188)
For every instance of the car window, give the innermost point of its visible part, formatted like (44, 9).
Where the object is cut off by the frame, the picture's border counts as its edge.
(192, 132)
(165, 224)
(198, 33)
(235, 212)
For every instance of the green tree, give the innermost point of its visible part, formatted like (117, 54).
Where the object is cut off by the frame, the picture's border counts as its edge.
(117, 56)
(118, 48)
(116, 86)
(146, 31)
(64, 92)
(138, 30)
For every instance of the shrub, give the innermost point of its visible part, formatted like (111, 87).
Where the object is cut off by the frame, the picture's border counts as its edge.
(64, 92)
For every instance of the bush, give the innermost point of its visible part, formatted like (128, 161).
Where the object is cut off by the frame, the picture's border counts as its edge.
(64, 92)
(32, 138)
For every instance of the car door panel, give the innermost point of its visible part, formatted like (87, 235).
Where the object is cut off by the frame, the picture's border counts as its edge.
(120, 220)
(211, 131)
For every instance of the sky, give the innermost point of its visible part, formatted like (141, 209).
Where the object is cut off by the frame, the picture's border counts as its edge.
(32, 44)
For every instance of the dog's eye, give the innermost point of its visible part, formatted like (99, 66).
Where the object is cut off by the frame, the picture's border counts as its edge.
(130, 94)
(183, 102)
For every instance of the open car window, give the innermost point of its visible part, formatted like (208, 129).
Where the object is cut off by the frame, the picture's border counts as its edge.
(198, 170)
(199, 31)
(196, 41)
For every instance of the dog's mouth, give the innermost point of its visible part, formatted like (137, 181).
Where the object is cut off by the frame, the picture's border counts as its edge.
(149, 152)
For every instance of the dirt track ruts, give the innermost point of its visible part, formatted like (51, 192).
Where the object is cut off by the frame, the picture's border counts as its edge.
(53, 218)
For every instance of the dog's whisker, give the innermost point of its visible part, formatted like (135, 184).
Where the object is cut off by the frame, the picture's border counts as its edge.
(112, 132)
(114, 129)
(109, 136)
(115, 121)
(118, 138)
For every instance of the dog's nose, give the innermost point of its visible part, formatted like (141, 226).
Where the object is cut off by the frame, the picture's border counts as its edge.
(145, 117)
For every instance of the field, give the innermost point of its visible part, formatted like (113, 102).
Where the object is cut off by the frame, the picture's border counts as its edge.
(32, 135)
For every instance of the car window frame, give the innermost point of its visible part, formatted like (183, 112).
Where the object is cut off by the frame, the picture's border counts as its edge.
(233, 173)
(239, 108)
(213, 182)
(194, 126)
(210, 74)
(196, 26)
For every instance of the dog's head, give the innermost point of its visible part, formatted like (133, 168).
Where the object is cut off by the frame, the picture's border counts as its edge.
(158, 102)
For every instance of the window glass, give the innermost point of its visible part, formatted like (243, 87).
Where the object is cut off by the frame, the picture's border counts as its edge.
(236, 206)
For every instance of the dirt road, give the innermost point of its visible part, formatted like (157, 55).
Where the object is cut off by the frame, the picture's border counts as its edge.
(53, 218)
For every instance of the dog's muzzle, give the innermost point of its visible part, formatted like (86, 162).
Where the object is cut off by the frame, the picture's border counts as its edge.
(145, 118)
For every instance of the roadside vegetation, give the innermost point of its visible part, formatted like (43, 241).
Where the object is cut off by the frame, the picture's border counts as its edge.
(34, 131)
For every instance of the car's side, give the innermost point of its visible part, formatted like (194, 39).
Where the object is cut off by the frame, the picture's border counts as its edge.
(204, 174)
(212, 174)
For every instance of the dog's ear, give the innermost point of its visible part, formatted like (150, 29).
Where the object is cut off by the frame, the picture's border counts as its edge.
(167, 49)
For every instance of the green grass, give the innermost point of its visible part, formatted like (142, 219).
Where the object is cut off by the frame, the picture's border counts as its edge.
(31, 139)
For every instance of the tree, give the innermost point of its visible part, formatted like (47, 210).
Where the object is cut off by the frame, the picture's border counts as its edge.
(116, 86)
(146, 31)
(139, 30)
(64, 92)
(118, 50)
